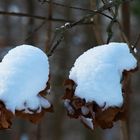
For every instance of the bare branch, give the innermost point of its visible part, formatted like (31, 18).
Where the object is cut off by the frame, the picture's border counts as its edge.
(137, 41)
(53, 48)
(35, 30)
(65, 6)
(86, 19)
(75, 8)
(125, 39)
(109, 28)
(44, 18)
(32, 16)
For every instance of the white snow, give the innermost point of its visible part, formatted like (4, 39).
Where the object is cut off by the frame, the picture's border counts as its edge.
(24, 136)
(68, 106)
(87, 121)
(84, 110)
(44, 103)
(23, 74)
(98, 73)
(134, 49)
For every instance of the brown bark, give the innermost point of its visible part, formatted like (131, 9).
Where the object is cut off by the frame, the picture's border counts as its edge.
(31, 22)
(125, 126)
(49, 27)
(126, 19)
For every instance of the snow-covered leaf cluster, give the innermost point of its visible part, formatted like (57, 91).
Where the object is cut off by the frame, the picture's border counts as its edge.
(97, 75)
(93, 91)
(98, 72)
(24, 73)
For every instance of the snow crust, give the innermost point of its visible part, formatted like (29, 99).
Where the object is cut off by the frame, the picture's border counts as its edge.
(98, 73)
(24, 73)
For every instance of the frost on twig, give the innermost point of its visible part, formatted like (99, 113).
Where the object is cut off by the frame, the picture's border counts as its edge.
(96, 88)
(24, 82)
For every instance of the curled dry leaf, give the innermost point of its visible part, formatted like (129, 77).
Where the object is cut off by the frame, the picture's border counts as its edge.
(5, 117)
(96, 91)
(90, 113)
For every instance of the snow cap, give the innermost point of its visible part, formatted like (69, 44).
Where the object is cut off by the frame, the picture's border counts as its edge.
(98, 72)
(24, 73)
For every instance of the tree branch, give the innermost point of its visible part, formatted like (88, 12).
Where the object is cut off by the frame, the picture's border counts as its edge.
(74, 8)
(53, 48)
(6, 13)
(86, 19)
(65, 6)
(32, 16)
(137, 41)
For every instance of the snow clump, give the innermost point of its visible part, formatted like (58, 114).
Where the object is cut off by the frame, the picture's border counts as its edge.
(24, 72)
(98, 73)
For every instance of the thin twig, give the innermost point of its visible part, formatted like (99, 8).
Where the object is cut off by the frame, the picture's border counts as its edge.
(75, 8)
(109, 28)
(32, 16)
(137, 41)
(42, 17)
(66, 6)
(121, 29)
(101, 13)
(35, 30)
(103, 8)
(110, 9)
(72, 7)
(56, 45)
(135, 47)
(124, 37)
(86, 19)
(114, 19)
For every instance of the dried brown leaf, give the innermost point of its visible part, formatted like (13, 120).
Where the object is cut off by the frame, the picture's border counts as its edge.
(5, 117)
(101, 117)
